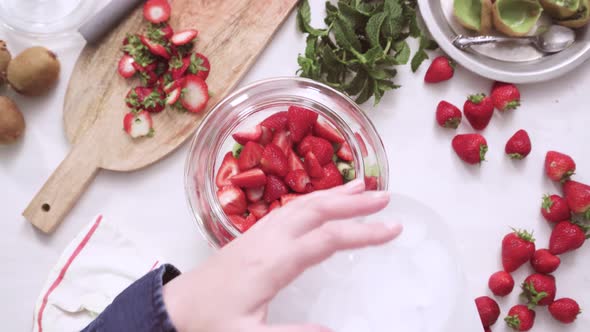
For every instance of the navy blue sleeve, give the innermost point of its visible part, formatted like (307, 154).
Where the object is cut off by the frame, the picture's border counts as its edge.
(140, 307)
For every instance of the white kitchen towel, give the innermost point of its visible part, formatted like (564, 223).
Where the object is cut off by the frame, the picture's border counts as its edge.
(94, 268)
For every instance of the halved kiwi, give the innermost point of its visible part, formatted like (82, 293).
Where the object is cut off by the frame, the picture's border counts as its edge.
(560, 9)
(474, 15)
(579, 19)
(516, 17)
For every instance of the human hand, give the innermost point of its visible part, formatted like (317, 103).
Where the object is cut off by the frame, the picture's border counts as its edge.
(231, 291)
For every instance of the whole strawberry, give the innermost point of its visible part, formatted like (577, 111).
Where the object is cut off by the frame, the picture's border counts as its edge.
(520, 318)
(517, 248)
(501, 283)
(441, 69)
(559, 166)
(471, 148)
(505, 96)
(519, 145)
(448, 115)
(555, 208)
(578, 197)
(565, 310)
(478, 109)
(539, 289)
(544, 261)
(488, 310)
(566, 236)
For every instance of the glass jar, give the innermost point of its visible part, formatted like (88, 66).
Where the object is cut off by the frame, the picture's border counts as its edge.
(249, 106)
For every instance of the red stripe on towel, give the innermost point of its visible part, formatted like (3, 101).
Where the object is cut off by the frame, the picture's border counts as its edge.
(64, 269)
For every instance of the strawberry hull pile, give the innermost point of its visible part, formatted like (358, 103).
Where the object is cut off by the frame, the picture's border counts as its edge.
(569, 216)
(289, 154)
(170, 72)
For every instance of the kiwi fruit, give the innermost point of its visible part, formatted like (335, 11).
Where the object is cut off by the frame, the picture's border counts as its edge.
(34, 71)
(5, 58)
(12, 123)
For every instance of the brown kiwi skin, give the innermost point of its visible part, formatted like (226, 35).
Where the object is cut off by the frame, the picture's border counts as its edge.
(5, 58)
(12, 122)
(34, 71)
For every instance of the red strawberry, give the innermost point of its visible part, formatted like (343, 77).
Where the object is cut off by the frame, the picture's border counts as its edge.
(184, 37)
(232, 200)
(565, 310)
(138, 124)
(555, 208)
(543, 261)
(441, 69)
(578, 197)
(126, 68)
(274, 205)
(229, 167)
(345, 152)
(313, 166)
(520, 318)
(559, 166)
(155, 101)
(178, 66)
(156, 11)
(471, 148)
(519, 145)
(202, 66)
(371, 183)
(505, 96)
(155, 48)
(501, 283)
(165, 30)
(195, 94)
(294, 161)
(254, 194)
(362, 144)
(274, 189)
(517, 248)
(276, 122)
(301, 122)
(252, 134)
(241, 223)
(331, 178)
(252, 178)
(258, 209)
(173, 96)
(448, 115)
(265, 136)
(176, 84)
(320, 147)
(273, 161)
(565, 237)
(136, 96)
(539, 289)
(478, 110)
(298, 181)
(283, 140)
(250, 156)
(325, 130)
(488, 310)
(287, 198)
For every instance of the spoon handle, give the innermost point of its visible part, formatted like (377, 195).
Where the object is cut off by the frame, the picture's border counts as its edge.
(462, 42)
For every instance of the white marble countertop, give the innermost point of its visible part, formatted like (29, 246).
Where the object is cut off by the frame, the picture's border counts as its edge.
(478, 203)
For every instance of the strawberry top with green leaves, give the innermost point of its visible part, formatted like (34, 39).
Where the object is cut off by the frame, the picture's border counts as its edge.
(520, 318)
(565, 310)
(471, 148)
(517, 248)
(519, 145)
(441, 69)
(555, 208)
(559, 166)
(578, 197)
(505, 96)
(539, 289)
(448, 115)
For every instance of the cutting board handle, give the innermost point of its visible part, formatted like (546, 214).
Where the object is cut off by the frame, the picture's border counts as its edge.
(63, 188)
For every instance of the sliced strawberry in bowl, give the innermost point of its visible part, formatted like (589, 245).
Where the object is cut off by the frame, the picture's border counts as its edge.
(325, 130)
(301, 122)
(232, 200)
(313, 166)
(251, 134)
(138, 124)
(320, 147)
(229, 167)
(294, 161)
(345, 152)
(195, 94)
(250, 156)
(276, 122)
(283, 140)
(259, 209)
(125, 67)
(274, 161)
(274, 205)
(254, 194)
(298, 181)
(252, 178)
(265, 136)
(331, 178)
(241, 223)
(274, 189)
(157, 11)
(184, 37)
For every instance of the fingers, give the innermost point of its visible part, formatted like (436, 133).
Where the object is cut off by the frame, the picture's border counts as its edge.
(297, 328)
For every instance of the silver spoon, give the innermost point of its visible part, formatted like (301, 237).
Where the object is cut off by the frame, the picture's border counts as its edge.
(555, 39)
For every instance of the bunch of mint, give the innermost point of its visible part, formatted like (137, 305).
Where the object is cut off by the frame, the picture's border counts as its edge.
(363, 42)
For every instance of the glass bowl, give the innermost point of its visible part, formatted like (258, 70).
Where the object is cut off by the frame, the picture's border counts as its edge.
(247, 107)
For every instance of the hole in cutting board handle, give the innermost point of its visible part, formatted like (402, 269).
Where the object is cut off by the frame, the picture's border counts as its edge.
(46, 207)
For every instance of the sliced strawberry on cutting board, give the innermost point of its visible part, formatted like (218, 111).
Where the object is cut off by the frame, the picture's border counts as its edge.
(301, 122)
(252, 134)
(125, 67)
(313, 166)
(229, 167)
(325, 130)
(155, 48)
(178, 66)
(253, 178)
(254, 194)
(294, 161)
(331, 178)
(203, 67)
(283, 140)
(195, 94)
(157, 11)
(184, 37)
(173, 96)
(298, 181)
(250, 156)
(258, 209)
(274, 189)
(232, 200)
(276, 122)
(274, 161)
(320, 147)
(138, 125)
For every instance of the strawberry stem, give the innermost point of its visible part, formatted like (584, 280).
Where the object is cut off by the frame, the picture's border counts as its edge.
(525, 235)
(513, 321)
(476, 98)
(547, 203)
(483, 149)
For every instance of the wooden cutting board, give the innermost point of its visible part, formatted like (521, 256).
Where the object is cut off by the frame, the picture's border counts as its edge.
(232, 35)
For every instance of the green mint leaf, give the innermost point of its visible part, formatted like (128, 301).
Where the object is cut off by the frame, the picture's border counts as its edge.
(366, 91)
(417, 59)
(304, 20)
(395, 20)
(345, 35)
(357, 83)
(311, 46)
(352, 15)
(373, 28)
(402, 54)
